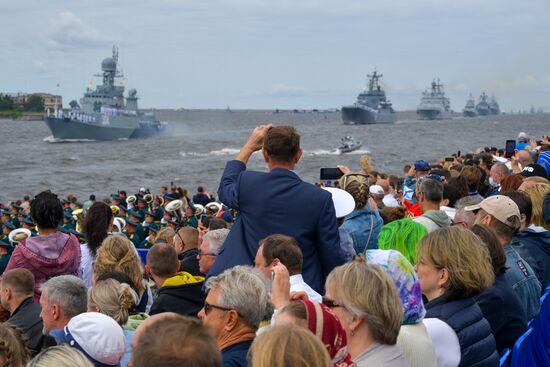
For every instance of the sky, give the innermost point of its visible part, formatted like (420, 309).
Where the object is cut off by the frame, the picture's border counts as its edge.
(280, 54)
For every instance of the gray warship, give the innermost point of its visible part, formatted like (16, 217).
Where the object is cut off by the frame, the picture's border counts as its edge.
(470, 108)
(433, 104)
(483, 108)
(371, 107)
(104, 113)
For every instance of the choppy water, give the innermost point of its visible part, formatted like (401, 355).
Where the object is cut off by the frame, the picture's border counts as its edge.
(205, 140)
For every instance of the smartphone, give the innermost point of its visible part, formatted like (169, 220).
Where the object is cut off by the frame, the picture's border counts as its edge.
(331, 173)
(449, 159)
(510, 148)
(458, 154)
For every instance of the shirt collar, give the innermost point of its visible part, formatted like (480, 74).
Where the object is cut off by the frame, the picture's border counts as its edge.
(296, 279)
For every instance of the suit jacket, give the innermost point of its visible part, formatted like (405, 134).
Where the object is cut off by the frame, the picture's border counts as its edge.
(279, 202)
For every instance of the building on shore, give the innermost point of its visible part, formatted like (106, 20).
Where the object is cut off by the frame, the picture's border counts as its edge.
(51, 101)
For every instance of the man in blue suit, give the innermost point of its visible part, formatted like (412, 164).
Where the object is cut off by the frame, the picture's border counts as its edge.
(278, 202)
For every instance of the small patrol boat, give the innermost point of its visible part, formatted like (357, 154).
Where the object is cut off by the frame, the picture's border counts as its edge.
(470, 108)
(348, 144)
(104, 113)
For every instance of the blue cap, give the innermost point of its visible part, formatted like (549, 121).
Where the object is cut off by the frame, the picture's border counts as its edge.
(153, 228)
(8, 224)
(135, 213)
(28, 220)
(173, 221)
(422, 166)
(131, 222)
(5, 244)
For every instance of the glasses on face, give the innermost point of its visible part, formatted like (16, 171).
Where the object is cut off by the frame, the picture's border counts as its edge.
(330, 303)
(208, 307)
(201, 254)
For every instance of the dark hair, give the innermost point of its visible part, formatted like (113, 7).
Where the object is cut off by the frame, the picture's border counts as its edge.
(46, 210)
(296, 309)
(216, 223)
(523, 201)
(451, 193)
(92, 197)
(490, 239)
(432, 189)
(389, 214)
(282, 143)
(200, 189)
(176, 340)
(96, 225)
(163, 260)
(284, 248)
(472, 176)
(460, 184)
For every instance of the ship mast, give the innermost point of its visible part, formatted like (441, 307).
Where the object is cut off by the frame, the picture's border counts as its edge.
(373, 80)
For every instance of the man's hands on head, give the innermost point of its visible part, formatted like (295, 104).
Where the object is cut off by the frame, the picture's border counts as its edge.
(254, 143)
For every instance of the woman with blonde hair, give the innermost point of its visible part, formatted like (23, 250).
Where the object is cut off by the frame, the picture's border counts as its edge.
(117, 254)
(363, 223)
(363, 297)
(283, 346)
(454, 266)
(166, 235)
(537, 192)
(60, 356)
(114, 299)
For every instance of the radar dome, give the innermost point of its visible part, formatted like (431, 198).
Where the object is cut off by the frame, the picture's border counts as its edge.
(132, 93)
(108, 64)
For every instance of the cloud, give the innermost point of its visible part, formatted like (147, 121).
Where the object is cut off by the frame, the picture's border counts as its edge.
(69, 31)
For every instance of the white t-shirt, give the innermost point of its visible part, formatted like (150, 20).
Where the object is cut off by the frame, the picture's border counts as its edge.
(445, 342)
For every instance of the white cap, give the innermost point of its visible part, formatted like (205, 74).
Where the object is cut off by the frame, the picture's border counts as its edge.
(98, 335)
(344, 203)
(376, 190)
(142, 189)
(522, 135)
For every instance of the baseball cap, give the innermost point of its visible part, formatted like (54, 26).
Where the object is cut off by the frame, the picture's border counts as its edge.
(522, 135)
(501, 207)
(533, 169)
(422, 166)
(376, 190)
(344, 203)
(98, 336)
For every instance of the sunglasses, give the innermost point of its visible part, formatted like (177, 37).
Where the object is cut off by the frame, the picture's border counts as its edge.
(209, 307)
(330, 303)
(201, 254)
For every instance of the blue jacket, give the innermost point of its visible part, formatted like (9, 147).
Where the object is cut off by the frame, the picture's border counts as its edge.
(358, 224)
(236, 354)
(279, 202)
(534, 247)
(477, 344)
(502, 307)
(523, 280)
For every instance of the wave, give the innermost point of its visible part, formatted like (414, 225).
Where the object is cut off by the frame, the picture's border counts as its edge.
(334, 152)
(221, 152)
(51, 139)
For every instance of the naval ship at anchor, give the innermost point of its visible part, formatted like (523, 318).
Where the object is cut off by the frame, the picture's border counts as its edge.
(104, 113)
(434, 105)
(371, 107)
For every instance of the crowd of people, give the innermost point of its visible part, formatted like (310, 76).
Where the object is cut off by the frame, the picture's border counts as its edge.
(443, 266)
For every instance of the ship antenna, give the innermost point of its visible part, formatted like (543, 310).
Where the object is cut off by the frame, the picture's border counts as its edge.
(115, 53)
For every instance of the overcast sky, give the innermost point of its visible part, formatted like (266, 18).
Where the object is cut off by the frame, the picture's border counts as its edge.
(281, 53)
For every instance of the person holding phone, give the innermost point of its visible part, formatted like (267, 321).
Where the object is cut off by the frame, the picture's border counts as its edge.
(278, 201)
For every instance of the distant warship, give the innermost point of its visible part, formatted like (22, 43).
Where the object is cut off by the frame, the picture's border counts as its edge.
(371, 107)
(103, 113)
(434, 105)
(470, 108)
(483, 108)
(493, 106)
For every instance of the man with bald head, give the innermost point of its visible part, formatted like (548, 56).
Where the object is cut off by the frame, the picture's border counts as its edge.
(497, 173)
(186, 243)
(172, 340)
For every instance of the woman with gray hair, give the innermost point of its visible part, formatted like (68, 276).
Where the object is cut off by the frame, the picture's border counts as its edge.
(234, 307)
